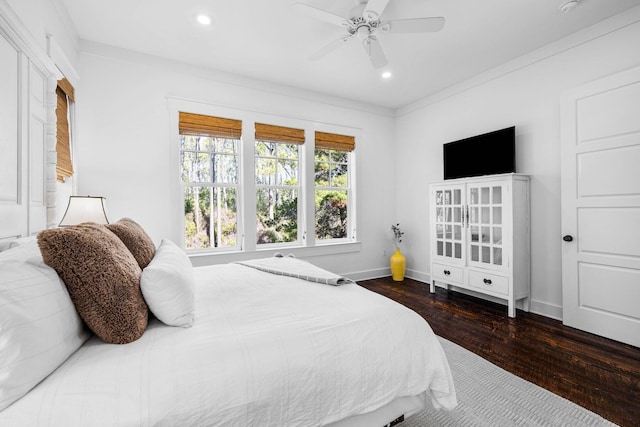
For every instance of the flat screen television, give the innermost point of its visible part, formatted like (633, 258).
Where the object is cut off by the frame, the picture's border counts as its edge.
(486, 154)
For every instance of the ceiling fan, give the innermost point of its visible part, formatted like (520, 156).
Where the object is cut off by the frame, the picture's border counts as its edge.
(365, 24)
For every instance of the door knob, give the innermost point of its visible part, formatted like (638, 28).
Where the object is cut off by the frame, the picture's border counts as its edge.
(568, 238)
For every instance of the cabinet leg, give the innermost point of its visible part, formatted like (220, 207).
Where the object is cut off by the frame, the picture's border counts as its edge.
(512, 308)
(432, 286)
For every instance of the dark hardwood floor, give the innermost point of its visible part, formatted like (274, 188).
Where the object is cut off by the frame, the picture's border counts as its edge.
(597, 373)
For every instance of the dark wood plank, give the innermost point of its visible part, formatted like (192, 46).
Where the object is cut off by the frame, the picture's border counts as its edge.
(599, 374)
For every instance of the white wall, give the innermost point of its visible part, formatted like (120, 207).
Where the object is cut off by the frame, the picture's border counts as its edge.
(124, 141)
(525, 93)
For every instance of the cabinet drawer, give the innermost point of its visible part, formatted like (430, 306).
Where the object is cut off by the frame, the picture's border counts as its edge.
(446, 273)
(489, 282)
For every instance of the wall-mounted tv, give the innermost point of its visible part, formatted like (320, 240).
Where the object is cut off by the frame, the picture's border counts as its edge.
(486, 154)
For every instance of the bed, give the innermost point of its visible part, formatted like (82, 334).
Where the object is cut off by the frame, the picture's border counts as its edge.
(278, 348)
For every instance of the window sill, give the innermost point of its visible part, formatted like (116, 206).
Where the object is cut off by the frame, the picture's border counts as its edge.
(200, 259)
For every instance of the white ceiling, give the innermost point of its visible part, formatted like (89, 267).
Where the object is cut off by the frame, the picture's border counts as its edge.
(269, 40)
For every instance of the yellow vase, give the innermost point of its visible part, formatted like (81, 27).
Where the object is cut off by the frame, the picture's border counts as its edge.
(398, 263)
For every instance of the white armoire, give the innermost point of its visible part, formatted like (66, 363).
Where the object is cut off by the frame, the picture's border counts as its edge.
(480, 236)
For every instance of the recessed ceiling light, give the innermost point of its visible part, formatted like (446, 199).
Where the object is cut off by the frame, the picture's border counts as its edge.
(568, 6)
(386, 75)
(203, 19)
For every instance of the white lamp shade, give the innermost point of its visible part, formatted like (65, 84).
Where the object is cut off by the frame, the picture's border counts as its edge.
(85, 209)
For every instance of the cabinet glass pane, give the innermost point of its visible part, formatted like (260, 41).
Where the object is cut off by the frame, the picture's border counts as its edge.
(497, 195)
(447, 232)
(497, 256)
(439, 198)
(475, 234)
(439, 217)
(485, 216)
(448, 248)
(473, 215)
(457, 215)
(486, 254)
(484, 195)
(447, 215)
(440, 246)
(439, 231)
(458, 250)
(497, 215)
(457, 232)
(497, 235)
(485, 235)
(457, 197)
(447, 197)
(473, 196)
(475, 253)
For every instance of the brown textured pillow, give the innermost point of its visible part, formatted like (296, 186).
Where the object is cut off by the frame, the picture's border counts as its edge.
(102, 277)
(135, 239)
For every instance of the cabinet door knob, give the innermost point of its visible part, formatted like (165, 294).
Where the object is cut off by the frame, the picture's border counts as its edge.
(568, 238)
(487, 281)
(447, 272)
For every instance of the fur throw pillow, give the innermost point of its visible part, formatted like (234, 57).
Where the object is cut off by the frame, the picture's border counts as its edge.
(135, 239)
(102, 277)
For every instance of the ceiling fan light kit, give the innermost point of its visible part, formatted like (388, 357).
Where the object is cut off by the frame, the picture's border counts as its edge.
(365, 24)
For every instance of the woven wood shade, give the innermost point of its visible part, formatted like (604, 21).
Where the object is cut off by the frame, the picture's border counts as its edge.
(64, 166)
(334, 141)
(67, 89)
(279, 134)
(215, 127)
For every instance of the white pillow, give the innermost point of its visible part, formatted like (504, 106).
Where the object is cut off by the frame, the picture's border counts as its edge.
(39, 325)
(168, 285)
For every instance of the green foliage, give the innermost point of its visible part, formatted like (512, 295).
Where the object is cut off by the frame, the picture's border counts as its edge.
(331, 214)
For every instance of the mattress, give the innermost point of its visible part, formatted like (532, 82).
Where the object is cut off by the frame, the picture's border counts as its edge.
(264, 350)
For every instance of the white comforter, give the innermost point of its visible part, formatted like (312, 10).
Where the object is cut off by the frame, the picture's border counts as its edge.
(265, 350)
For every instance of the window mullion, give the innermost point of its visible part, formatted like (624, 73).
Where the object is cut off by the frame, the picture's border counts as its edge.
(308, 205)
(248, 187)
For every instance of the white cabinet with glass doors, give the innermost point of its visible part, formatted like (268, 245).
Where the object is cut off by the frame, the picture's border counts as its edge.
(480, 236)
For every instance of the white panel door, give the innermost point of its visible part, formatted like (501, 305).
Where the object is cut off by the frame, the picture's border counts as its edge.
(601, 207)
(13, 207)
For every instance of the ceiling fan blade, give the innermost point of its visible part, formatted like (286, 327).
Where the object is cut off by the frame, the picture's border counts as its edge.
(374, 9)
(416, 25)
(320, 14)
(374, 52)
(336, 44)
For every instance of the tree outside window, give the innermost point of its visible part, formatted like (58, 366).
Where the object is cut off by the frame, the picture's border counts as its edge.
(210, 184)
(277, 190)
(331, 194)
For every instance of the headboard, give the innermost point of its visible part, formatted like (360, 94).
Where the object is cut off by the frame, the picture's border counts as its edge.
(28, 77)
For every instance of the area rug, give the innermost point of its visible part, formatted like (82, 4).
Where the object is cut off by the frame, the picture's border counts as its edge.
(490, 396)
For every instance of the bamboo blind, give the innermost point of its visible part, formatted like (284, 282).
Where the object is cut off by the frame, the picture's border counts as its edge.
(279, 134)
(64, 165)
(67, 89)
(334, 141)
(215, 127)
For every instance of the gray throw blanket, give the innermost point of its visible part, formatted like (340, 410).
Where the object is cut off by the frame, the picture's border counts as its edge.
(293, 267)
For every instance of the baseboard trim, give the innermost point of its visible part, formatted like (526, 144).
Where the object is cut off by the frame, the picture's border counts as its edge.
(369, 274)
(545, 309)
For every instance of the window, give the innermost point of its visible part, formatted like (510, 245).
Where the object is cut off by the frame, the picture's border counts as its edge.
(332, 186)
(209, 158)
(277, 171)
(244, 184)
(65, 95)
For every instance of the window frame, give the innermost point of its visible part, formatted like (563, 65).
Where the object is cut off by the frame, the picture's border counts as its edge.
(350, 224)
(299, 188)
(214, 185)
